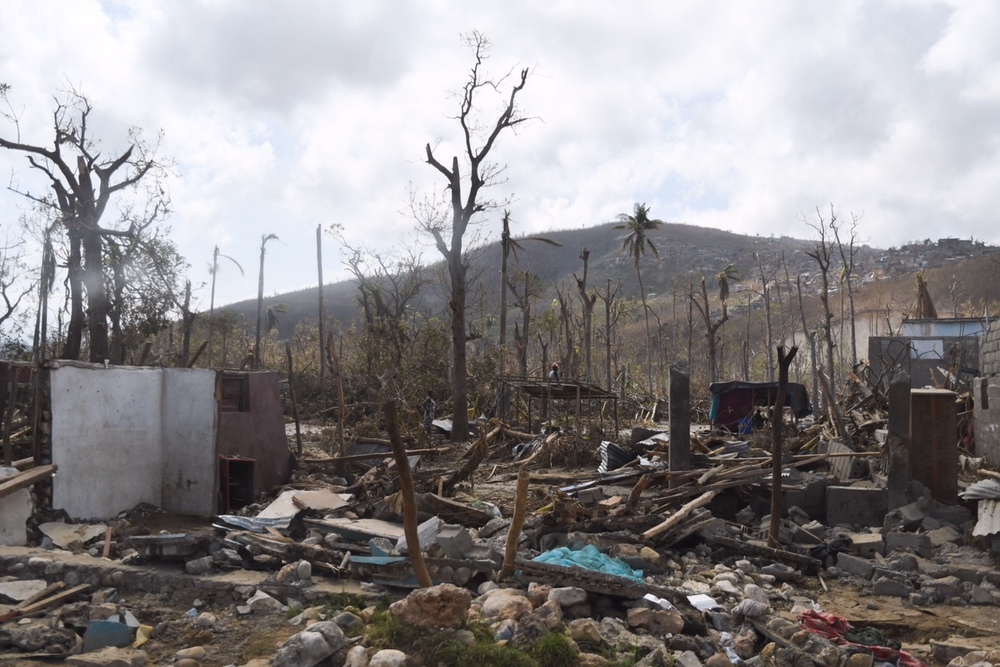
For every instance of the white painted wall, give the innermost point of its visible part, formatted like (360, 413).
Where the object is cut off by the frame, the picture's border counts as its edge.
(15, 509)
(189, 435)
(126, 435)
(106, 435)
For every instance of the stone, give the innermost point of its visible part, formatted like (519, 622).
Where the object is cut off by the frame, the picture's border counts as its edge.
(348, 621)
(37, 636)
(187, 662)
(779, 571)
(687, 659)
(591, 660)
(193, 653)
(261, 601)
(568, 596)
(905, 518)
(860, 660)
(205, 620)
(314, 644)
(488, 586)
(303, 570)
(442, 606)
(199, 565)
(719, 660)
(506, 603)
(890, 587)
(357, 656)
(585, 631)
(980, 595)
(109, 657)
(538, 593)
(389, 657)
(551, 614)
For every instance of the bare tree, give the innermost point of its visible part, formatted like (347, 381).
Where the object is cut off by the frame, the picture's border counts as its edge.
(14, 281)
(712, 335)
(508, 247)
(82, 181)
(765, 293)
(821, 253)
(526, 287)
(588, 301)
(611, 315)
(847, 257)
(481, 173)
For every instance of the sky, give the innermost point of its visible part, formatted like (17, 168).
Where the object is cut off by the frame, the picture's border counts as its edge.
(738, 115)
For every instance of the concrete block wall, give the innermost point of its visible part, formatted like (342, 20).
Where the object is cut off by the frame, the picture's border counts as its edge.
(986, 396)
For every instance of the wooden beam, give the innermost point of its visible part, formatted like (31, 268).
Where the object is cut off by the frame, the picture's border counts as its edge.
(26, 479)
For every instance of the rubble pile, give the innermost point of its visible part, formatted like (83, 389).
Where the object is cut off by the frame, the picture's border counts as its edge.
(492, 551)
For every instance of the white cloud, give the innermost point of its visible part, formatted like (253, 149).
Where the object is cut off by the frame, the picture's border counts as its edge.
(282, 116)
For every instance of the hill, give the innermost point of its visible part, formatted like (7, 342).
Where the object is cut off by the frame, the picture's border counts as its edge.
(961, 273)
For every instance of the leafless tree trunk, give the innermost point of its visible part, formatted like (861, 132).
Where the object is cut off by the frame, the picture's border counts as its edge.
(609, 298)
(847, 259)
(322, 306)
(711, 329)
(588, 301)
(481, 173)
(821, 253)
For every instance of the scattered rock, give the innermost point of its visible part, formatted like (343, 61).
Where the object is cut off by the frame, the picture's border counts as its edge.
(442, 606)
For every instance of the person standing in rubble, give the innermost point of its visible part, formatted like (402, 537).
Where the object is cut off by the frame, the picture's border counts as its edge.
(554, 373)
(428, 407)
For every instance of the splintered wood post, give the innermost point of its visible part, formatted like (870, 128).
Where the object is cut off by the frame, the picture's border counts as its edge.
(197, 354)
(335, 369)
(897, 444)
(636, 494)
(295, 400)
(480, 450)
(680, 422)
(777, 418)
(517, 522)
(409, 500)
(681, 514)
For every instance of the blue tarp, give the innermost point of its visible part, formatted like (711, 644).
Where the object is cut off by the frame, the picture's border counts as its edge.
(589, 558)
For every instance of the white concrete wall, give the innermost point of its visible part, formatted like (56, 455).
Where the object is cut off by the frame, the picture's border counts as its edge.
(190, 476)
(106, 439)
(15, 509)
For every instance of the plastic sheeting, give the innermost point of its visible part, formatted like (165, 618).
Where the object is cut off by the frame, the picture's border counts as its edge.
(589, 558)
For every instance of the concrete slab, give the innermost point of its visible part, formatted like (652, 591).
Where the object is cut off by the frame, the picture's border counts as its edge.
(856, 505)
(21, 590)
(65, 534)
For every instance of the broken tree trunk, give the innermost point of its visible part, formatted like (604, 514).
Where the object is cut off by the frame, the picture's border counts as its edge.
(777, 420)
(409, 499)
(517, 522)
(680, 514)
(479, 452)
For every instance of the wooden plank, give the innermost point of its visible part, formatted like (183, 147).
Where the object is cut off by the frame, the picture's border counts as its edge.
(26, 479)
(42, 605)
(45, 592)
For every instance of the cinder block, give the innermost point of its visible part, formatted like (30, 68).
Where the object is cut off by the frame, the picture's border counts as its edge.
(918, 543)
(856, 505)
(859, 567)
(890, 587)
(867, 545)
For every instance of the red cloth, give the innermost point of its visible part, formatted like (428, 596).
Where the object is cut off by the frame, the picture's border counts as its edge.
(835, 628)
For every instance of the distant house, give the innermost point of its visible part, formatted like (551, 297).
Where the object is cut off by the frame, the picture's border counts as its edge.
(927, 349)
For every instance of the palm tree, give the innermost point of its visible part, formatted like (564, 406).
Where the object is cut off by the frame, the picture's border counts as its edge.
(260, 295)
(214, 270)
(730, 274)
(638, 225)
